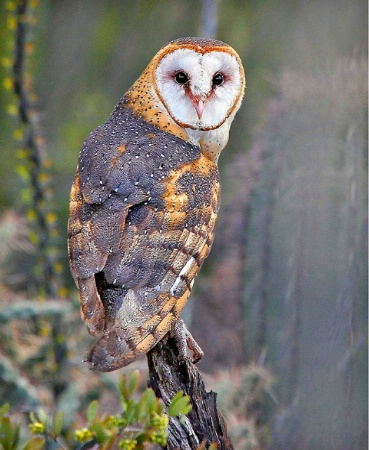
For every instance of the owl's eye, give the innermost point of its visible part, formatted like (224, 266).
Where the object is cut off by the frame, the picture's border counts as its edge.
(218, 79)
(181, 78)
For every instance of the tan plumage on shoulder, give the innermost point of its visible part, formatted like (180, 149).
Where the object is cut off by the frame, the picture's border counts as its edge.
(145, 199)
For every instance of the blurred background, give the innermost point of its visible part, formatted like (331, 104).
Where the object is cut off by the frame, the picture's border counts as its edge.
(280, 306)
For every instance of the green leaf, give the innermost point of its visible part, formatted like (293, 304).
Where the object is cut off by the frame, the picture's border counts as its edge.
(100, 435)
(131, 414)
(8, 433)
(122, 386)
(4, 409)
(5, 426)
(180, 404)
(128, 384)
(15, 436)
(142, 437)
(146, 404)
(150, 399)
(35, 443)
(58, 424)
(92, 411)
(133, 381)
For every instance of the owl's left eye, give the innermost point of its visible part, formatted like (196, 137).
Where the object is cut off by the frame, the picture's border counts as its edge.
(181, 78)
(218, 79)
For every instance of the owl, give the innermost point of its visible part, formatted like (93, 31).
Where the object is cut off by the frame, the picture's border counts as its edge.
(145, 199)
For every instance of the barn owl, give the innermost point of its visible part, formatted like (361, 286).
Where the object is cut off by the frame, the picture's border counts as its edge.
(145, 199)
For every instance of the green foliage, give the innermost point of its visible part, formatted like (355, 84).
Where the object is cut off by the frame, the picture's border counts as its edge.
(10, 434)
(32, 165)
(142, 420)
(179, 405)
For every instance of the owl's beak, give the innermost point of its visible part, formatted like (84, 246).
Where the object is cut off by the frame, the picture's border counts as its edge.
(198, 103)
(199, 107)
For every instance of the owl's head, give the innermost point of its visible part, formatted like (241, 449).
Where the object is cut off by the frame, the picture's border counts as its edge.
(199, 81)
(192, 88)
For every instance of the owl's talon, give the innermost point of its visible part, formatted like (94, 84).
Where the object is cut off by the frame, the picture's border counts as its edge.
(196, 350)
(185, 341)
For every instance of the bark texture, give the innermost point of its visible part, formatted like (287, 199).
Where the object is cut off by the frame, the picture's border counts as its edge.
(204, 425)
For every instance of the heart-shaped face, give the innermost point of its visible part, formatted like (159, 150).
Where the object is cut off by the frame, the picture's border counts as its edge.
(200, 90)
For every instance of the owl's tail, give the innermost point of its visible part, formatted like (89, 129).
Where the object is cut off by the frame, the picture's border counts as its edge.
(125, 342)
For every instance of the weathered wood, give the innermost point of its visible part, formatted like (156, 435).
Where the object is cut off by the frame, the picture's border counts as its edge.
(204, 424)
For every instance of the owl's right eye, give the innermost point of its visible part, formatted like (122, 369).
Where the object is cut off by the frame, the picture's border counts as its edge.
(181, 78)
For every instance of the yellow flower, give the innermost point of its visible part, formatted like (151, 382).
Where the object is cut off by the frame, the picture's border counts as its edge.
(160, 421)
(51, 217)
(37, 427)
(127, 444)
(83, 435)
(11, 23)
(10, 6)
(12, 110)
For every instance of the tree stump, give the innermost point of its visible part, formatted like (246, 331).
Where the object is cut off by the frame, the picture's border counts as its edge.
(204, 424)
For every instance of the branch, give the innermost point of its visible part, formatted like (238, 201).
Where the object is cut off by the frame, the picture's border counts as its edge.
(204, 424)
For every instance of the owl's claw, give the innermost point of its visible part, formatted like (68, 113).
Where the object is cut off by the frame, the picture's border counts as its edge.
(185, 341)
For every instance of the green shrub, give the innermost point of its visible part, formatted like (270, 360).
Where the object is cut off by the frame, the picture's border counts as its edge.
(142, 420)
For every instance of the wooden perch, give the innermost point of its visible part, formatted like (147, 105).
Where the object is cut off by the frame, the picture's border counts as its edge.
(204, 424)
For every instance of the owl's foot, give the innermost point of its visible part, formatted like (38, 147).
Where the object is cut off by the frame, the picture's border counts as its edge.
(185, 341)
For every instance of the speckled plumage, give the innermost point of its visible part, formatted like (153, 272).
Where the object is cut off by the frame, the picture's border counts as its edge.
(143, 208)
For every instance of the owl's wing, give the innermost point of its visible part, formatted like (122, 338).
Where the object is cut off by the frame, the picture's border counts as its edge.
(104, 188)
(140, 228)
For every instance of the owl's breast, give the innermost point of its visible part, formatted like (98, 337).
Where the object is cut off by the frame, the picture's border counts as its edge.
(191, 198)
(191, 195)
